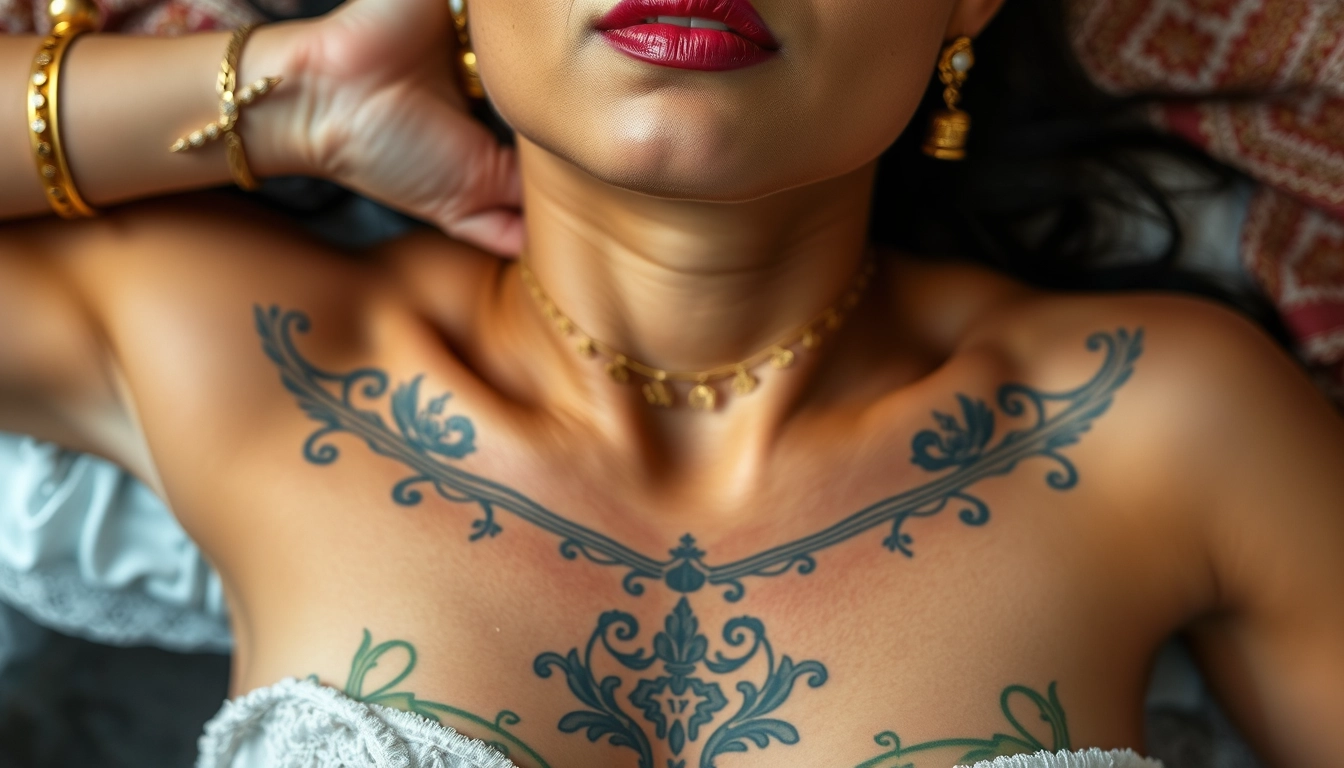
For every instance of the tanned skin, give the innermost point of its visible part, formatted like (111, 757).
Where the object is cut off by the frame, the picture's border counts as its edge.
(976, 506)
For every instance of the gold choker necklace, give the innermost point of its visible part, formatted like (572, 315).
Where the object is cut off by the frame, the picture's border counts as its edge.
(703, 395)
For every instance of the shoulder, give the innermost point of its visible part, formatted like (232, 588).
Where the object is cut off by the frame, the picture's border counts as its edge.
(1214, 422)
(1200, 364)
(1188, 343)
(171, 289)
(1193, 355)
(196, 267)
(1206, 379)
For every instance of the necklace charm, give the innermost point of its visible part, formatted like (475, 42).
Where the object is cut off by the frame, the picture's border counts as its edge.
(702, 397)
(744, 383)
(657, 393)
(657, 384)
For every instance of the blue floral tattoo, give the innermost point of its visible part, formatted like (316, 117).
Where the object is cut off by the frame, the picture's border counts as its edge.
(961, 450)
(680, 705)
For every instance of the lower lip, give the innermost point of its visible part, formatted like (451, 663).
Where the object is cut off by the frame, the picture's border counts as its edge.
(670, 45)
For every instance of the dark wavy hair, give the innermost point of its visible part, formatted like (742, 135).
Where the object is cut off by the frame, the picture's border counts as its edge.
(1055, 170)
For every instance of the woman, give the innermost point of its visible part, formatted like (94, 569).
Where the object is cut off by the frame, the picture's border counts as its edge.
(643, 498)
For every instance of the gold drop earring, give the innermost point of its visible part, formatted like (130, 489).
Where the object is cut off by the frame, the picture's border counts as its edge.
(949, 127)
(466, 57)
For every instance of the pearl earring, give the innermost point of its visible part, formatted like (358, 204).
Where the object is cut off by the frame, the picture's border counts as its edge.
(949, 127)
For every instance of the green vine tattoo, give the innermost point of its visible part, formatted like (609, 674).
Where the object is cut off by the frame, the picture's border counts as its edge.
(970, 750)
(366, 659)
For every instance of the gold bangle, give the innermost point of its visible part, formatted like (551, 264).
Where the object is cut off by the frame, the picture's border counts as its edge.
(232, 99)
(44, 120)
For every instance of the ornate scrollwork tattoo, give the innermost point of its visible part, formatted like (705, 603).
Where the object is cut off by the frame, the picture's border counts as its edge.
(681, 704)
(962, 449)
(968, 751)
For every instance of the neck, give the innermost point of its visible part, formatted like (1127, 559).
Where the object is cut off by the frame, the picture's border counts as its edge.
(688, 286)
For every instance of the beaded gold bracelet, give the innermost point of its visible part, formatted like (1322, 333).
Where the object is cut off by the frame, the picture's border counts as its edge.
(232, 99)
(44, 116)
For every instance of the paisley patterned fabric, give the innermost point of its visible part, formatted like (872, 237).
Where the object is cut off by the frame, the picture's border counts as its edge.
(1259, 85)
(143, 17)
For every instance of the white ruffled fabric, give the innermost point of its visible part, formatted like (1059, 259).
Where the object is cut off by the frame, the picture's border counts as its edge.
(87, 551)
(302, 724)
(1083, 758)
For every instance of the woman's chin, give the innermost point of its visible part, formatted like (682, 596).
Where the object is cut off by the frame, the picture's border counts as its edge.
(691, 175)
(692, 186)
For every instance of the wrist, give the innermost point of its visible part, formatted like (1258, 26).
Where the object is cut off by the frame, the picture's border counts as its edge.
(276, 130)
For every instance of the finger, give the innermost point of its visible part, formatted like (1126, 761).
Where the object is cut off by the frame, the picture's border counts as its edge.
(483, 207)
(496, 180)
(499, 231)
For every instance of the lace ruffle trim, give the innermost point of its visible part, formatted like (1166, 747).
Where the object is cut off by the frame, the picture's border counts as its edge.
(317, 725)
(1083, 758)
(312, 724)
(57, 597)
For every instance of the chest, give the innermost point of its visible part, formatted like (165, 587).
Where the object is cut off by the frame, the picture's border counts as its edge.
(574, 632)
(956, 593)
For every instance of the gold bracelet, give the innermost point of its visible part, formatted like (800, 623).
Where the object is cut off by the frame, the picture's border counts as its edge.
(44, 118)
(232, 99)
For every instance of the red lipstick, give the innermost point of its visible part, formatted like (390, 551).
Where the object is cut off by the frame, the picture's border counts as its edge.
(706, 35)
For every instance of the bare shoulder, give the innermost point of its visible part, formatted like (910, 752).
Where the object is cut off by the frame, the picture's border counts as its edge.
(166, 293)
(1203, 371)
(1194, 355)
(1228, 455)
(1215, 419)
(1199, 359)
(1187, 342)
(1227, 462)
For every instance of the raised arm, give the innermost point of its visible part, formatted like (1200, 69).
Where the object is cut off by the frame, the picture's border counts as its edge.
(369, 99)
(124, 100)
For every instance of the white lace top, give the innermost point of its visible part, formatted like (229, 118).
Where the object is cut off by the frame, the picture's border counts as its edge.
(86, 550)
(301, 724)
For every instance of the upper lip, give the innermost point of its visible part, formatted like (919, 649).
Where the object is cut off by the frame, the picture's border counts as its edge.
(737, 15)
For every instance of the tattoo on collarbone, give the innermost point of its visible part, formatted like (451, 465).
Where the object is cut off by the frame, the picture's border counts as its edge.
(687, 701)
(495, 732)
(960, 451)
(967, 751)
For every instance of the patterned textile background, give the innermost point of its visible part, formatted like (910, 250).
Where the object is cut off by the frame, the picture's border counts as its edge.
(154, 17)
(1258, 84)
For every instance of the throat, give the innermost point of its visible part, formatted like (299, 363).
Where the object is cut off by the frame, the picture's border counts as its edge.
(685, 304)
